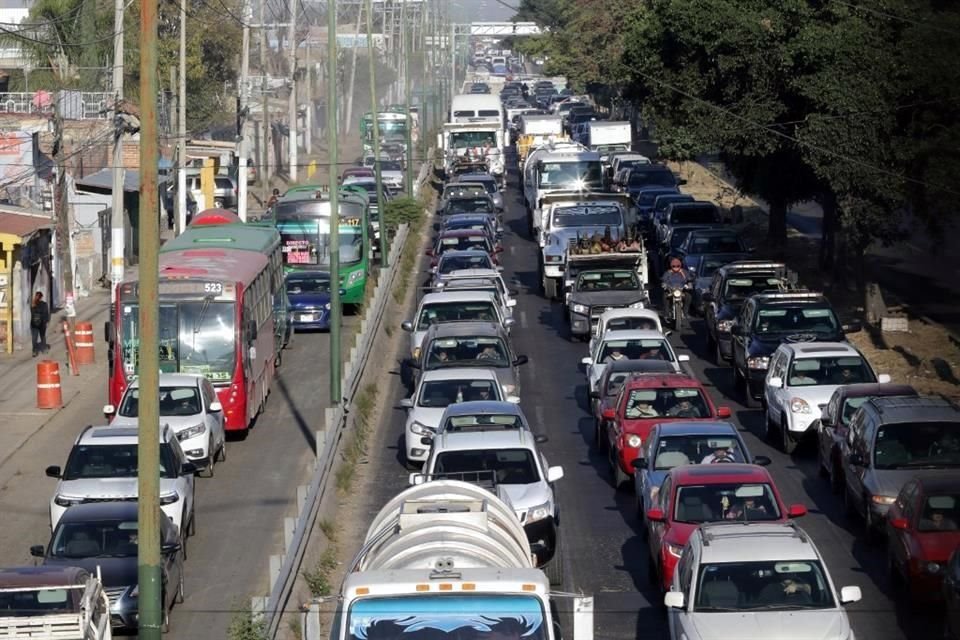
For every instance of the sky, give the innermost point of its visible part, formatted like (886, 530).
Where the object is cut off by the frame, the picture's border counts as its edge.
(482, 10)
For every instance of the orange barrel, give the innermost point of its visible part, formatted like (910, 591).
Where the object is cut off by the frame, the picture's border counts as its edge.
(48, 385)
(83, 339)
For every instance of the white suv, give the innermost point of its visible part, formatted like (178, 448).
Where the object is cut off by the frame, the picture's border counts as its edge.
(189, 405)
(102, 467)
(505, 456)
(770, 576)
(801, 378)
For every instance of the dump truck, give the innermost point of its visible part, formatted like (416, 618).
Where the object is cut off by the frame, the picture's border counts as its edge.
(449, 557)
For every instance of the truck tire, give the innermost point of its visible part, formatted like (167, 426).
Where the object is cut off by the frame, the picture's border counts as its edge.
(554, 568)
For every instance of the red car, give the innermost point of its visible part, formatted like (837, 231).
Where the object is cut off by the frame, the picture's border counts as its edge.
(460, 240)
(694, 494)
(646, 400)
(923, 529)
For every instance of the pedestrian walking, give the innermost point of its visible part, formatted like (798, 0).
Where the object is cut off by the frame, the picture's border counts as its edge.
(39, 319)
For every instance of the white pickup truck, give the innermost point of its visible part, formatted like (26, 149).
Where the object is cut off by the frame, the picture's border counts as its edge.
(67, 603)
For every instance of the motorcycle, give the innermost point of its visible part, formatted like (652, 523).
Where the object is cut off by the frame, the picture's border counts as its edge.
(673, 302)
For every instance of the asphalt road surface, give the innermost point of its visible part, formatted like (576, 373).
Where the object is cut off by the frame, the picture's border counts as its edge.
(603, 551)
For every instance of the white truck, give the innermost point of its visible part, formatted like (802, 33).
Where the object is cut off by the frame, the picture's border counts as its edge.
(53, 602)
(566, 170)
(470, 147)
(447, 559)
(606, 137)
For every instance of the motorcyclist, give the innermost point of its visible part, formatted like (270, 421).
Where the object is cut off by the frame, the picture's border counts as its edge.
(676, 277)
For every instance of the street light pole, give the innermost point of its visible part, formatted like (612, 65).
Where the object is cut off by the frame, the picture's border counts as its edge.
(118, 236)
(242, 116)
(336, 308)
(384, 247)
(405, 39)
(292, 105)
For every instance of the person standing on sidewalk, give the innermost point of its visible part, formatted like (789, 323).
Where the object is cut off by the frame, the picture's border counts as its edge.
(39, 319)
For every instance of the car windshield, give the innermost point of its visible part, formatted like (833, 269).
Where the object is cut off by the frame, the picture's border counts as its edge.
(694, 504)
(113, 461)
(468, 205)
(767, 586)
(587, 216)
(647, 197)
(716, 244)
(390, 165)
(797, 321)
(709, 265)
(636, 349)
(308, 284)
(511, 466)
(694, 214)
(470, 242)
(460, 191)
(940, 513)
(174, 401)
(737, 289)
(483, 420)
(456, 312)
(573, 174)
(607, 281)
(904, 445)
(482, 351)
(97, 539)
(455, 263)
(809, 372)
(488, 184)
(439, 394)
(676, 451)
(39, 601)
(663, 178)
(661, 202)
(679, 402)
(629, 323)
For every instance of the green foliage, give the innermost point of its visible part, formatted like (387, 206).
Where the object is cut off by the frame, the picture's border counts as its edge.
(405, 210)
(318, 578)
(246, 625)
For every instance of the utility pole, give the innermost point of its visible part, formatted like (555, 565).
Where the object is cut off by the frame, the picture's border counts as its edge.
(182, 125)
(118, 235)
(292, 106)
(308, 93)
(266, 161)
(407, 46)
(336, 310)
(353, 70)
(371, 53)
(453, 61)
(242, 115)
(64, 216)
(148, 442)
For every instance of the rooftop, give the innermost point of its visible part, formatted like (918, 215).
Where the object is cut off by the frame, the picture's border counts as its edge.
(755, 542)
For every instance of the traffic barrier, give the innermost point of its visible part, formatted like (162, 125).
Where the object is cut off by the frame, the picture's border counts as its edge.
(83, 341)
(49, 395)
(71, 349)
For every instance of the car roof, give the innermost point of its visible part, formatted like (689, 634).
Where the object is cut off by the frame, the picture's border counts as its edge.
(91, 511)
(719, 474)
(633, 334)
(486, 440)
(918, 409)
(610, 314)
(107, 435)
(458, 296)
(483, 407)
(875, 389)
(791, 297)
(807, 350)
(664, 380)
(174, 380)
(41, 576)
(459, 373)
(474, 177)
(945, 481)
(754, 542)
(465, 329)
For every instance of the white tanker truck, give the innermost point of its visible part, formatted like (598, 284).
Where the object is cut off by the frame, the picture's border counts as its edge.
(448, 560)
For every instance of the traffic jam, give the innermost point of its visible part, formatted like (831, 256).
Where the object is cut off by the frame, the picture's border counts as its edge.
(634, 270)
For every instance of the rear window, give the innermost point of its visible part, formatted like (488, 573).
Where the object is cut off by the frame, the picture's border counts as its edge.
(706, 214)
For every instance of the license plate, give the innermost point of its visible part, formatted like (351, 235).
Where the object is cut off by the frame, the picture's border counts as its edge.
(307, 317)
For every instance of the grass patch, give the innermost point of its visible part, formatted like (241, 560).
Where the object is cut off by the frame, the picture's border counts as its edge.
(355, 447)
(246, 625)
(318, 578)
(329, 530)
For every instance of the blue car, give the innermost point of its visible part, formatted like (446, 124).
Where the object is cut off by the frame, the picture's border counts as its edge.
(309, 295)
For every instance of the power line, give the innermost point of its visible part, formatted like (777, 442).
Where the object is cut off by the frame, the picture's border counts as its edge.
(893, 16)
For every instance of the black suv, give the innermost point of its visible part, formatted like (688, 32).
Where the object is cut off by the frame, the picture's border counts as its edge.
(769, 319)
(732, 284)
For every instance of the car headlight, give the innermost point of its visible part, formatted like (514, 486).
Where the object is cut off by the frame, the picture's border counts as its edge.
(170, 498)
(634, 441)
(540, 512)
(758, 362)
(190, 432)
(421, 429)
(508, 389)
(883, 499)
(637, 305)
(581, 308)
(327, 306)
(66, 502)
(799, 405)
(135, 593)
(416, 353)
(674, 549)
(554, 259)
(354, 276)
(724, 326)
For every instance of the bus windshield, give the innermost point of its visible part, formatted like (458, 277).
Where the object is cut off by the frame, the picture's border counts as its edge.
(303, 245)
(196, 336)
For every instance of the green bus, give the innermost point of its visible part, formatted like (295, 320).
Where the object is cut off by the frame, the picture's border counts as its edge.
(302, 216)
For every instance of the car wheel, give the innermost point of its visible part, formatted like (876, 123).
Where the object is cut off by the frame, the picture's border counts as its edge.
(787, 444)
(870, 533)
(748, 400)
(192, 530)
(211, 457)
(554, 568)
(599, 437)
(768, 427)
(222, 454)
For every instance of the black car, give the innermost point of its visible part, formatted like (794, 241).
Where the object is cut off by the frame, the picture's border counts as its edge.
(649, 175)
(731, 286)
(102, 536)
(768, 319)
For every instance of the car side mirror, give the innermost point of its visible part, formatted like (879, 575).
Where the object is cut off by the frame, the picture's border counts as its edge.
(188, 468)
(416, 478)
(586, 360)
(776, 382)
(53, 472)
(513, 399)
(554, 474)
(108, 332)
(724, 412)
(215, 407)
(428, 252)
(683, 358)
(762, 461)
(674, 600)
(638, 463)
(508, 322)
(855, 459)
(849, 595)
(852, 327)
(796, 511)
(521, 360)
(406, 403)
(655, 515)
(406, 325)
(883, 378)
(900, 523)
(512, 302)
(37, 551)
(109, 409)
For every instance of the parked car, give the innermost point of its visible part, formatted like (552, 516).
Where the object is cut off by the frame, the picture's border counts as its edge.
(224, 191)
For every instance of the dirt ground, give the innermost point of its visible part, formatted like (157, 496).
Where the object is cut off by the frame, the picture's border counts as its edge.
(926, 357)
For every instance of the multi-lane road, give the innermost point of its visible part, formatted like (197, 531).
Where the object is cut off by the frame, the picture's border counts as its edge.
(603, 551)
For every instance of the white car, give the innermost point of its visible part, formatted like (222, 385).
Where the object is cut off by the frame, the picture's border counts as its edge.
(480, 280)
(189, 406)
(508, 459)
(633, 344)
(102, 466)
(436, 390)
(801, 378)
(754, 581)
(455, 306)
(624, 319)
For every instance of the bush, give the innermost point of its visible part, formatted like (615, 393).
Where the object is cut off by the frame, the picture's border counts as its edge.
(402, 210)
